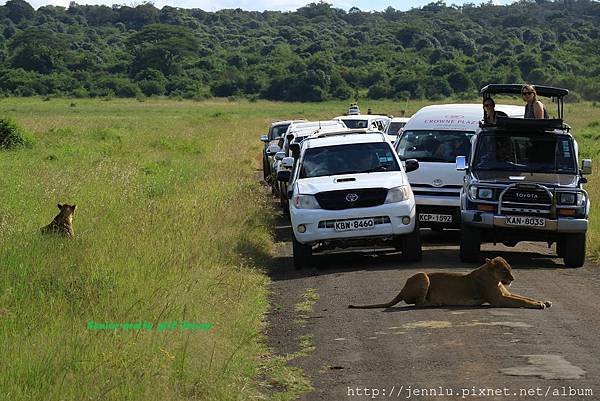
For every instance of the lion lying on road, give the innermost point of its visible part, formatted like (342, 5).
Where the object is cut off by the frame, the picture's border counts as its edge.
(484, 284)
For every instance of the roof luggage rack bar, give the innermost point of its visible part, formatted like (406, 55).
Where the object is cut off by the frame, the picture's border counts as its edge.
(534, 124)
(547, 91)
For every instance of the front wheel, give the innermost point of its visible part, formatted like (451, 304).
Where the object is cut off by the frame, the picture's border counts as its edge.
(410, 245)
(302, 254)
(574, 250)
(266, 169)
(470, 244)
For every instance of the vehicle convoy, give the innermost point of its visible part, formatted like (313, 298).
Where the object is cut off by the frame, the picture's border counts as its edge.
(523, 183)
(435, 136)
(372, 122)
(271, 141)
(348, 188)
(295, 133)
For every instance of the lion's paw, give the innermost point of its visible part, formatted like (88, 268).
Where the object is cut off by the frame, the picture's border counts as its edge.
(548, 304)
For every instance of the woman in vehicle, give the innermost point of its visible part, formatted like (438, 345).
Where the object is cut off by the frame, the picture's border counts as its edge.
(533, 108)
(489, 111)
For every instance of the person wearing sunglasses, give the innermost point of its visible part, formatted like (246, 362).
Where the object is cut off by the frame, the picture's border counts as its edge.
(533, 108)
(489, 111)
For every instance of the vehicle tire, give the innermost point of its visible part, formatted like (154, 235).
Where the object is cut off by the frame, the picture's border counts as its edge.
(302, 254)
(411, 245)
(560, 248)
(470, 244)
(574, 246)
(266, 169)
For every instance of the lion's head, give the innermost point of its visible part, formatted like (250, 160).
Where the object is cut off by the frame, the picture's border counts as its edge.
(501, 270)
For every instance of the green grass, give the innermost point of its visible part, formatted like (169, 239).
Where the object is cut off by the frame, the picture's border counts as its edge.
(171, 225)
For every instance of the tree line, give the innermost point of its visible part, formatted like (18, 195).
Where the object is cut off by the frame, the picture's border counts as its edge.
(315, 53)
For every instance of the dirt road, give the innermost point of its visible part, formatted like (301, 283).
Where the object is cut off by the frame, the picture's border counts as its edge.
(401, 352)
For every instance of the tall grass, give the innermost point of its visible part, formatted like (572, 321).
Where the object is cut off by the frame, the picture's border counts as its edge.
(171, 225)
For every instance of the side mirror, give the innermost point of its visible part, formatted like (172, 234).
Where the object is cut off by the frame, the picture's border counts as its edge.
(411, 165)
(287, 162)
(295, 149)
(272, 150)
(264, 138)
(461, 163)
(289, 137)
(284, 175)
(586, 166)
(279, 155)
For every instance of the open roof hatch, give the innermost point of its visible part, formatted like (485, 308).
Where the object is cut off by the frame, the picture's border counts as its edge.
(548, 91)
(557, 95)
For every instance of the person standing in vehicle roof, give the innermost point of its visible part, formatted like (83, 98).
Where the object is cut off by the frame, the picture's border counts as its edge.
(534, 108)
(489, 111)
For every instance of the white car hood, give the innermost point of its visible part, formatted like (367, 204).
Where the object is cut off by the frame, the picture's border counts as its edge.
(432, 172)
(311, 186)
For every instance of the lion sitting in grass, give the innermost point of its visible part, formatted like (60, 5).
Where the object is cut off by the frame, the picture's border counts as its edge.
(63, 222)
(484, 284)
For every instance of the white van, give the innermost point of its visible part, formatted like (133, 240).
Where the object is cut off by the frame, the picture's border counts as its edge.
(434, 136)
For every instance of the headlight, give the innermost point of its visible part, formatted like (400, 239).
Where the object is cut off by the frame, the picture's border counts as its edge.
(571, 198)
(305, 202)
(476, 192)
(398, 194)
(473, 192)
(485, 193)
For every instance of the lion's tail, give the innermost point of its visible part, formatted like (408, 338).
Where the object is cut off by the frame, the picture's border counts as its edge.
(393, 302)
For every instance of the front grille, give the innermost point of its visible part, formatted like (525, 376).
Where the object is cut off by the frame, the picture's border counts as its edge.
(377, 220)
(436, 193)
(453, 186)
(526, 202)
(527, 196)
(344, 199)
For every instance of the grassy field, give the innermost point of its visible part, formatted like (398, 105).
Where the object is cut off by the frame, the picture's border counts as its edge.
(172, 225)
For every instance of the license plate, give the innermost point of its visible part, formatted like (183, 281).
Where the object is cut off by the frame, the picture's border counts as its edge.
(350, 225)
(435, 218)
(526, 221)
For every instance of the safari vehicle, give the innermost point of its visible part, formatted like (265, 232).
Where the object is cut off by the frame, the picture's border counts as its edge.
(523, 183)
(434, 136)
(348, 188)
(271, 141)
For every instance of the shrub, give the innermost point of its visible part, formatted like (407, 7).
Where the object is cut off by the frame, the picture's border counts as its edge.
(11, 136)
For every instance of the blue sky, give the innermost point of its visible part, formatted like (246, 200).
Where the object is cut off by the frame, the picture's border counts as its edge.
(282, 5)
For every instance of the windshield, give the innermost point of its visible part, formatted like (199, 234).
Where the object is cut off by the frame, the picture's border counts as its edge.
(277, 131)
(352, 124)
(395, 127)
(434, 146)
(348, 159)
(542, 154)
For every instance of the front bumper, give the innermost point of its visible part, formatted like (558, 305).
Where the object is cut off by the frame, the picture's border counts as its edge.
(490, 221)
(310, 218)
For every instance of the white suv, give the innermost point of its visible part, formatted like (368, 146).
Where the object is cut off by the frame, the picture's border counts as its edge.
(349, 189)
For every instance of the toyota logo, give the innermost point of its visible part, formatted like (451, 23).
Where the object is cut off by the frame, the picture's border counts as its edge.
(352, 197)
(437, 182)
(527, 195)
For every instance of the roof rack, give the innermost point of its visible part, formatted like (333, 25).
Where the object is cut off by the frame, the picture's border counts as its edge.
(532, 124)
(547, 91)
